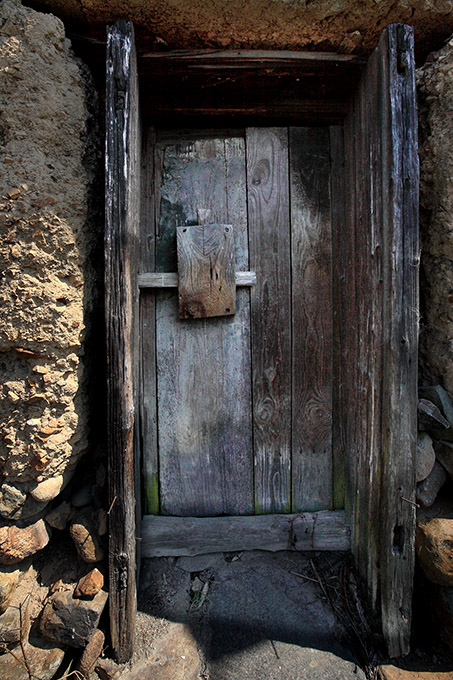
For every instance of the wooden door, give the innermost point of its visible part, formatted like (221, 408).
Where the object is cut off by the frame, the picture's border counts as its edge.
(239, 408)
(325, 387)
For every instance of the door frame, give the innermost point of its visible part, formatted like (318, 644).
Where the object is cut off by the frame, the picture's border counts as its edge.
(375, 119)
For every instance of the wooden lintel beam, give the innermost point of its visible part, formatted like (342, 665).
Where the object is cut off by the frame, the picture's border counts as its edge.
(250, 58)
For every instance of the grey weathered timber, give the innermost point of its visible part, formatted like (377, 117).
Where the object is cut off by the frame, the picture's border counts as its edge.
(399, 416)
(380, 244)
(175, 536)
(170, 279)
(121, 310)
(148, 410)
(203, 368)
(311, 306)
(269, 235)
(206, 271)
(341, 292)
(254, 59)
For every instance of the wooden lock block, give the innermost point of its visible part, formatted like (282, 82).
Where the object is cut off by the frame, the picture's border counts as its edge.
(206, 268)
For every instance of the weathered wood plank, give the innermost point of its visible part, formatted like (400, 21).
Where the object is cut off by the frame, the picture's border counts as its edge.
(206, 271)
(340, 298)
(400, 295)
(121, 314)
(381, 195)
(176, 536)
(312, 334)
(258, 59)
(170, 279)
(269, 225)
(148, 412)
(204, 370)
(369, 222)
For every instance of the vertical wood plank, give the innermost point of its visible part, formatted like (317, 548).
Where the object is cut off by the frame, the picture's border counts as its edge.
(381, 181)
(148, 414)
(399, 416)
(121, 309)
(311, 252)
(204, 408)
(340, 303)
(269, 225)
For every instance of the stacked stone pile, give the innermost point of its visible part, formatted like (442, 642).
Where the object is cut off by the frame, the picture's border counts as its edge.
(52, 596)
(434, 535)
(434, 461)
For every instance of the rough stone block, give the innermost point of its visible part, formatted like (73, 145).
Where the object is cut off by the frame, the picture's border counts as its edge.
(43, 660)
(425, 456)
(434, 550)
(444, 454)
(90, 584)
(10, 577)
(86, 539)
(389, 672)
(91, 654)
(430, 419)
(70, 621)
(48, 489)
(59, 516)
(428, 489)
(438, 396)
(17, 543)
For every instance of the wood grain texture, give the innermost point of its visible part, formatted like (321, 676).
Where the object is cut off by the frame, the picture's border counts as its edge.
(170, 279)
(368, 247)
(311, 306)
(204, 411)
(176, 536)
(400, 294)
(259, 60)
(206, 271)
(148, 408)
(121, 313)
(341, 294)
(269, 225)
(381, 178)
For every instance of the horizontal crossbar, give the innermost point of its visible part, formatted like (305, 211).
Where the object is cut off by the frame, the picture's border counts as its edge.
(170, 280)
(174, 536)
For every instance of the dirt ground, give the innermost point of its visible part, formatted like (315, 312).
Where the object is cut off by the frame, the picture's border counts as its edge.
(256, 615)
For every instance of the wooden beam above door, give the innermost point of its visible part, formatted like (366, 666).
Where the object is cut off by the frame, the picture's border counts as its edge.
(304, 86)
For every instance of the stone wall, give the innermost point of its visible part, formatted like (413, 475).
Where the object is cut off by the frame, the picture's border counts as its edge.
(45, 291)
(49, 155)
(434, 582)
(435, 87)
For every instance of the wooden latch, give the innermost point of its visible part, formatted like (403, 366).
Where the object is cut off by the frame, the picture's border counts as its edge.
(206, 279)
(207, 285)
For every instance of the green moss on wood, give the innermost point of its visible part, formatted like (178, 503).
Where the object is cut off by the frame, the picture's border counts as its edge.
(152, 496)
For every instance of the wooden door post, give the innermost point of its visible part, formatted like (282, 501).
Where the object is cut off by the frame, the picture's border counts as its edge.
(121, 314)
(376, 302)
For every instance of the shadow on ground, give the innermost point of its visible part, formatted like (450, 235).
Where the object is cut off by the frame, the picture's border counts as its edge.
(255, 615)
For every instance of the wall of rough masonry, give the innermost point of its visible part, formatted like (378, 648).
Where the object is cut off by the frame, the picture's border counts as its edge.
(434, 541)
(435, 86)
(45, 282)
(49, 154)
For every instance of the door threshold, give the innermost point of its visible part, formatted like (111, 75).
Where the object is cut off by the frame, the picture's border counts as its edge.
(185, 536)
